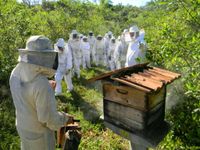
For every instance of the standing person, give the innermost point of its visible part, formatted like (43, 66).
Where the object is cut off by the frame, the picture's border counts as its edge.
(133, 48)
(33, 96)
(74, 46)
(92, 40)
(118, 53)
(85, 47)
(64, 66)
(111, 51)
(124, 48)
(143, 47)
(100, 50)
(107, 39)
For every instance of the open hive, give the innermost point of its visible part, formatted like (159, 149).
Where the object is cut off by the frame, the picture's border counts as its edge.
(134, 97)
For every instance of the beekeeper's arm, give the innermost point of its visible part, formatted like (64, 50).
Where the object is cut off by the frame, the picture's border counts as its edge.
(69, 47)
(46, 106)
(68, 57)
(94, 48)
(117, 52)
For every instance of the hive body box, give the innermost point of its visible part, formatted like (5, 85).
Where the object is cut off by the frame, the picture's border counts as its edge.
(134, 97)
(132, 109)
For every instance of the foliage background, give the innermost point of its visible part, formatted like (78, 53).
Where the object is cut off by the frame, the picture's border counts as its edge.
(173, 36)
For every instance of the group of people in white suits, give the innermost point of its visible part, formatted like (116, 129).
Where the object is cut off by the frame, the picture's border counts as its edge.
(128, 49)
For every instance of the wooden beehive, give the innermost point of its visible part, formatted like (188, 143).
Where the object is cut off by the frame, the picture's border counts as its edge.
(134, 97)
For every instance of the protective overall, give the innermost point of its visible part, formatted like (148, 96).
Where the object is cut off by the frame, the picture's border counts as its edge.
(34, 100)
(118, 53)
(124, 48)
(85, 48)
(111, 51)
(133, 48)
(74, 46)
(64, 66)
(100, 50)
(107, 39)
(92, 40)
(143, 47)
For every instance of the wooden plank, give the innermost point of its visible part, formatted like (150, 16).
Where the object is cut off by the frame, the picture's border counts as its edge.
(156, 97)
(106, 75)
(125, 95)
(130, 117)
(120, 112)
(177, 75)
(144, 83)
(158, 75)
(132, 85)
(137, 76)
(163, 73)
(152, 77)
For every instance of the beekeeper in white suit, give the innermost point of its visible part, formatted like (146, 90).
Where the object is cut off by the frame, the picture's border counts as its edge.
(64, 66)
(100, 50)
(33, 96)
(107, 39)
(85, 47)
(124, 47)
(74, 46)
(133, 47)
(92, 40)
(118, 53)
(111, 50)
(143, 47)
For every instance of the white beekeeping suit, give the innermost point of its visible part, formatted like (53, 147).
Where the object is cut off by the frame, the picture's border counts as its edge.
(85, 47)
(34, 100)
(133, 48)
(124, 47)
(143, 47)
(111, 51)
(107, 39)
(100, 50)
(92, 40)
(118, 53)
(64, 66)
(74, 46)
(80, 36)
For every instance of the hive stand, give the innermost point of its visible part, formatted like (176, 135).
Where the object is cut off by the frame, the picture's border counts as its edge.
(142, 141)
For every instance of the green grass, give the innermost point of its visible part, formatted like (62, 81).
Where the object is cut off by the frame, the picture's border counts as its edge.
(85, 103)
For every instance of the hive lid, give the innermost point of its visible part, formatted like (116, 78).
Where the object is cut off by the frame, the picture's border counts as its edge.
(141, 76)
(118, 71)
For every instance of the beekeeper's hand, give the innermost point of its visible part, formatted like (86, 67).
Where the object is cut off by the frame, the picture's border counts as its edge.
(52, 84)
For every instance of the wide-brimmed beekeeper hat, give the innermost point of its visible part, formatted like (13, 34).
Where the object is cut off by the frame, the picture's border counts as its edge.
(60, 43)
(38, 43)
(38, 51)
(134, 29)
(74, 32)
(109, 33)
(125, 30)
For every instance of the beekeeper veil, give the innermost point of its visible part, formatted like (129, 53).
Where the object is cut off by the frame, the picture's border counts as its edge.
(38, 52)
(134, 31)
(74, 34)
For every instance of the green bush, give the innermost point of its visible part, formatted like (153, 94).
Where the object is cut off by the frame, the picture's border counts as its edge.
(173, 37)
